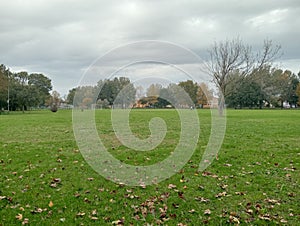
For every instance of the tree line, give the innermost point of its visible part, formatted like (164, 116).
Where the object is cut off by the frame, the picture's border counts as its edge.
(244, 78)
(270, 87)
(121, 93)
(22, 91)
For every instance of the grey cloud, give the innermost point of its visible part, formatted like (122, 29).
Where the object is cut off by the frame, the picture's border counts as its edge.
(62, 38)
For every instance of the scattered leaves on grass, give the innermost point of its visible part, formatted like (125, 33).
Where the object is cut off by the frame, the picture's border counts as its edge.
(273, 201)
(210, 174)
(289, 169)
(265, 217)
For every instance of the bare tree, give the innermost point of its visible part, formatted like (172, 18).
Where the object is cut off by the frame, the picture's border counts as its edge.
(54, 101)
(233, 56)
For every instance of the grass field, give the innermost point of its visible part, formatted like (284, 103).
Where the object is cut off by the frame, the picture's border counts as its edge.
(255, 179)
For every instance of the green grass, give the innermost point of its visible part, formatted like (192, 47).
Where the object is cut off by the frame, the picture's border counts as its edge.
(255, 177)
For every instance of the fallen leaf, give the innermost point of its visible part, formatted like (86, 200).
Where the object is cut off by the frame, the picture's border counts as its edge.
(227, 164)
(234, 219)
(50, 204)
(26, 221)
(202, 199)
(94, 218)
(240, 193)
(192, 211)
(143, 185)
(221, 194)
(175, 205)
(180, 195)
(265, 217)
(249, 211)
(207, 212)
(80, 214)
(171, 186)
(19, 216)
(56, 180)
(76, 195)
(224, 186)
(273, 201)
(291, 194)
(118, 222)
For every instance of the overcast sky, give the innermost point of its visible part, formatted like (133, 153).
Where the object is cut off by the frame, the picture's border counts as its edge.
(62, 38)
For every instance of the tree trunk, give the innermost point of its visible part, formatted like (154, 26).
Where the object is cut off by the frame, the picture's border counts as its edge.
(221, 105)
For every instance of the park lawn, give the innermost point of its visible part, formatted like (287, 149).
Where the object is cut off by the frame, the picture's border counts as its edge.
(254, 180)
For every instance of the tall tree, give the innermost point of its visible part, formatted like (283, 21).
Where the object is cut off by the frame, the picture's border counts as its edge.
(71, 95)
(40, 86)
(83, 93)
(54, 101)
(247, 94)
(230, 56)
(20, 91)
(191, 88)
(119, 91)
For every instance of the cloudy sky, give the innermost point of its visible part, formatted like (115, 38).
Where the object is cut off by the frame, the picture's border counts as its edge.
(62, 38)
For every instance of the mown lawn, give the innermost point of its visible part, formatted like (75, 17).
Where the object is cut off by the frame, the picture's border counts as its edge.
(44, 179)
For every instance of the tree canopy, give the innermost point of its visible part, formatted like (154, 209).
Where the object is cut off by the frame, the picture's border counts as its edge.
(21, 90)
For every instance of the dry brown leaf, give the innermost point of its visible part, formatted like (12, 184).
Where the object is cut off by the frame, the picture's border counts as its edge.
(19, 216)
(221, 194)
(207, 212)
(94, 218)
(26, 221)
(80, 214)
(171, 186)
(192, 211)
